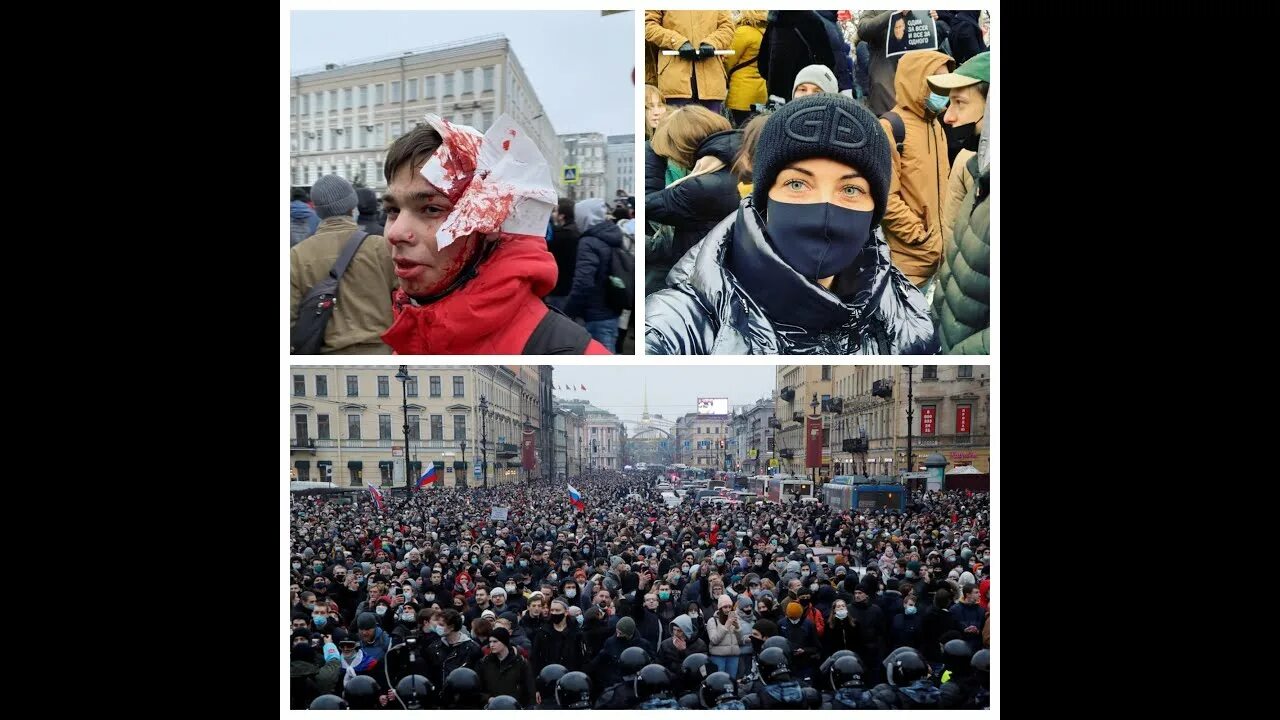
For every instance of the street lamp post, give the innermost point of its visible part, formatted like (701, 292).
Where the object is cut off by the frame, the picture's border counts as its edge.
(910, 417)
(403, 376)
(462, 480)
(814, 486)
(484, 440)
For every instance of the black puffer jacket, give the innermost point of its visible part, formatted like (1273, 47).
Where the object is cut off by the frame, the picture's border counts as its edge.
(695, 205)
(796, 39)
(732, 294)
(595, 250)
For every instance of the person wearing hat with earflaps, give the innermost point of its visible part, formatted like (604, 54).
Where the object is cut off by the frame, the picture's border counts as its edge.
(801, 267)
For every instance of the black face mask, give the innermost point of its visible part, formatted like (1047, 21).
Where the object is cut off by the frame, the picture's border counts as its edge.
(757, 644)
(817, 240)
(969, 136)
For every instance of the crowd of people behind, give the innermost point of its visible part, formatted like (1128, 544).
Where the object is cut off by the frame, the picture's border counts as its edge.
(565, 287)
(629, 603)
(813, 190)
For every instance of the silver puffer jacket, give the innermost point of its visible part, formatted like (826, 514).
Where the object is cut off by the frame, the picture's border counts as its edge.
(731, 294)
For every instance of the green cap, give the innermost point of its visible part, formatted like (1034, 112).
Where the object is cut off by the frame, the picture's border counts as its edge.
(975, 70)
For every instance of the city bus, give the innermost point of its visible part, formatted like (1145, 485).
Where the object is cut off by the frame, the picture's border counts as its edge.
(788, 489)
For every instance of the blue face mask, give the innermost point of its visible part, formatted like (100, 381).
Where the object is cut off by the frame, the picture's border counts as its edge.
(320, 620)
(817, 240)
(579, 619)
(438, 629)
(524, 563)
(936, 103)
(910, 610)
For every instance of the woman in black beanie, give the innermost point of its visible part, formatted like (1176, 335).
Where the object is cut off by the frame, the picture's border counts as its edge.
(801, 268)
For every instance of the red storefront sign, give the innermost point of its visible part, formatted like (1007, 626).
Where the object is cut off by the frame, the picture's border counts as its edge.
(813, 442)
(527, 450)
(962, 418)
(926, 419)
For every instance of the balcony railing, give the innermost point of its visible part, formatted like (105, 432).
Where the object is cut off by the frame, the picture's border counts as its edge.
(302, 444)
(427, 445)
(506, 450)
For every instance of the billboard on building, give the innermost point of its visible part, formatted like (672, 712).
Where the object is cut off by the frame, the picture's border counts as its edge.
(713, 406)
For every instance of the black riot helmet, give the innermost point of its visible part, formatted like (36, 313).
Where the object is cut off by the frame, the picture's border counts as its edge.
(548, 678)
(777, 641)
(906, 668)
(846, 672)
(653, 681)
(414, 690)
(981, 662)
(573, 691)
(503, 702)
(824, 670)
(362, 692)
(328, 702)
(957, 654)
(461, 690)
(694, 670)
(715, 689)
(773, 662)
(632, 660)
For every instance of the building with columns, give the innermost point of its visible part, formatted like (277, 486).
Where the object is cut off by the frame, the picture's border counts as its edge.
(343, 117)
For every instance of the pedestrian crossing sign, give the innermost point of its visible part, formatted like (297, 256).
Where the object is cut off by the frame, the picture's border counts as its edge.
(570, 174)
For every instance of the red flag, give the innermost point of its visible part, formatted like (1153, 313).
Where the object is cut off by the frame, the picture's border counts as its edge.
(715, 531)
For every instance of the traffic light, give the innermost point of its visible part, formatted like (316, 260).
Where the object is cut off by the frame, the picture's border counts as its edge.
(770, 444)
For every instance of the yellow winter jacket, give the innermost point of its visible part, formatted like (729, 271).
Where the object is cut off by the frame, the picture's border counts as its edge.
(746, 87)
(668, 30)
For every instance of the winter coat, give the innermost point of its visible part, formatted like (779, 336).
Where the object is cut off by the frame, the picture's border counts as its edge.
(668, 30)
(905, 630)
(841, 635)
(563, 647)
(965, 35)
(724, 640)
(746, 86)
(363, 312)
(446, 658)
(802, 636)
(694, 206)
(933, 626)
(604, 667)
(308, 681)
(672, 658)
(913, 219)
(303, 222)
(595, 252)
(873, 28)
(796, 39)
(733, 294)
(872, 627)
(967, 615)
(564, 248)
(512, 676)
(494, 313)
(962, 299)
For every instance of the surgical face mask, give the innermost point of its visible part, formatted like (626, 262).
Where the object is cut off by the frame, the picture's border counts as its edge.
(842, 613)
(936, 103)
(813, 587)
(570, 593)
(524, 563)
(511, 588)
(297, 566)
(664, 595)
(684, 568)
(910, 610)
(438, 629)
(579, 619)
(320, 620)
(911, 573)
(381, 610)
(817, 240)
(348, 657)
(408, 618)
(429, 597)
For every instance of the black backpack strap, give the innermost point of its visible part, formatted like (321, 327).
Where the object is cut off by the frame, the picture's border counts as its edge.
(898, 127)
(348, 252)
(556, 334)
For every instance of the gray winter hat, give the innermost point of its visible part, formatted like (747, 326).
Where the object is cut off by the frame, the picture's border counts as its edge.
(333, 196)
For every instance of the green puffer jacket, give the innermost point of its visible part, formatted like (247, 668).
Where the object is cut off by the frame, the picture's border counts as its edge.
(962, 300)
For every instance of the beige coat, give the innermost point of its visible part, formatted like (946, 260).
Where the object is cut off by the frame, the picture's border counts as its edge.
(363, 312)
(668, 30)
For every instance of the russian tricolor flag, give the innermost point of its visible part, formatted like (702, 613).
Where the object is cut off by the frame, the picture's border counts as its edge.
(377, 497)
(575, 499)
(428, 477)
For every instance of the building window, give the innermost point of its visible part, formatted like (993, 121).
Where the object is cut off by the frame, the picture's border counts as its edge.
(332, 105)
(488, 79)
(435, 386)
(413, 386)
(459, 427)
(384, 427)
(300, 385)
(353, 427)
(379, 93)
(322, 427)
(306, 103)
(459, 389)
(384, 386)
(353, 386)
(395, 91)
(826, 372)
(966, 371)
(448, 84)
(346, 137)
(415, 433)
(428, 87)
(364, 95)
(411, 89)
(930, 372)
(437, 427)
(468, 81)
(322, 386)
(488, 120)
(346, 99)
(395, 129)
(379, 135)
(300, 428)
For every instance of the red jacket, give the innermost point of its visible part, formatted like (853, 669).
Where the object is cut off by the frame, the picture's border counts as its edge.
(493, 314)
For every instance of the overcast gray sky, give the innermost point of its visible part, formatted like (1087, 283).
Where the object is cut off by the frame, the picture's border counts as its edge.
(673, 390)
(578, 61)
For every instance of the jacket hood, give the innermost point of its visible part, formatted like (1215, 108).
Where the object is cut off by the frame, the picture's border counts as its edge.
(753, 18)
(518, 267)
(723, 145)
(739, 245)
(909, 84)
(589, 212)
(684, 623)
(299, 210)
(607, 231)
